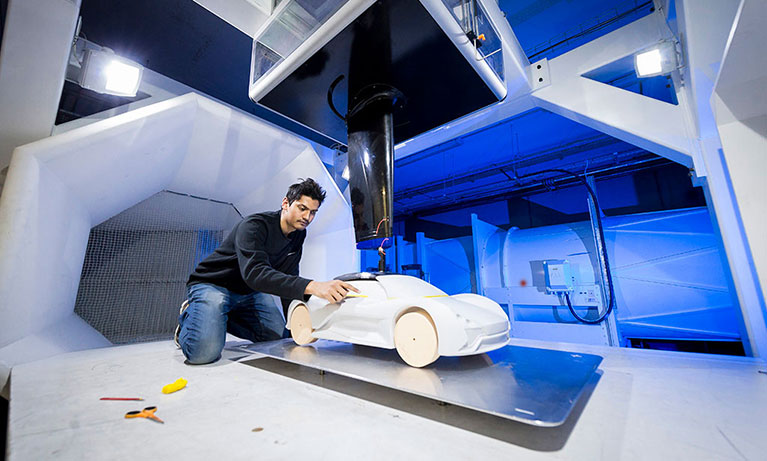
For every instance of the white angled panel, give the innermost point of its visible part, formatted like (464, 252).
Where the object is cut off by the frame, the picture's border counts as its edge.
(33, 60)
(740, 105)
(246, 15)
(656, 126)
(60, 187)
(708, 28)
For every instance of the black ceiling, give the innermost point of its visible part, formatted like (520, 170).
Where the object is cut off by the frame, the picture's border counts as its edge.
(183, 41)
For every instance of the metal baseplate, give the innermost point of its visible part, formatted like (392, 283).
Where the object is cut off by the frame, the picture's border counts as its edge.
(530, 385)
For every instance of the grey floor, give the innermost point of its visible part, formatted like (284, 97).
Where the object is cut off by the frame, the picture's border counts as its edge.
(639, 405)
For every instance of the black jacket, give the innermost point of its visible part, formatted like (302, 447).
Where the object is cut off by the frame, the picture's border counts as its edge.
(256, 256)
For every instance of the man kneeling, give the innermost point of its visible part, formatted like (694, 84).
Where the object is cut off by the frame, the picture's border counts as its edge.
(229, 290)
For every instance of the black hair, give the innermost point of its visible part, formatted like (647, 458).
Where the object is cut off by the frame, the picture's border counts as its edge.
(307, 187)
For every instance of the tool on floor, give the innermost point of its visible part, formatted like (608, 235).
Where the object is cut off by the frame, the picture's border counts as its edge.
(177, 385)
(147, 412)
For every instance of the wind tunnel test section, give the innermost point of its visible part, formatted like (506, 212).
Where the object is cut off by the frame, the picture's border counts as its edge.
(372, 85)
(565, 248)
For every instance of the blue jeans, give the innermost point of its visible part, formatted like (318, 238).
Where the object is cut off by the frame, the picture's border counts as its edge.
(214, 310)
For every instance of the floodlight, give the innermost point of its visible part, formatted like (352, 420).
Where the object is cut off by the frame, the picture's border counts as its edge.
(658, 60)
(122, 78)
(105, 72)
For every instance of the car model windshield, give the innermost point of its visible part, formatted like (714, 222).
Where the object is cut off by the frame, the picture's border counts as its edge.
(398, 286)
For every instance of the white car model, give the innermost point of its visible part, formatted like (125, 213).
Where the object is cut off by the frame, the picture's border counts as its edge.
(402, 312)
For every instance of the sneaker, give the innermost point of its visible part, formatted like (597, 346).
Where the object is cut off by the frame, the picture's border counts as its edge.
(184, 305)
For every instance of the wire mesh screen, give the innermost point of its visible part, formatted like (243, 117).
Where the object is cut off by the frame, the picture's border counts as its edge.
(137, 264)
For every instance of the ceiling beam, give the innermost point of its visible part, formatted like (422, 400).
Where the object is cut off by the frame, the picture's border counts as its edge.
(654, 125)
(246, 15)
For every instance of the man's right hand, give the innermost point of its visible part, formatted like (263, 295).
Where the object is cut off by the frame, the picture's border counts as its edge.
(333, 290)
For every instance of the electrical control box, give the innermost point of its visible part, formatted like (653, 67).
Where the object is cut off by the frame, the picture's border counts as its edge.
(558, 277)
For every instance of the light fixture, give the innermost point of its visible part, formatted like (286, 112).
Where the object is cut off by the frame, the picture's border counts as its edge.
(658, 60)
(105, 72)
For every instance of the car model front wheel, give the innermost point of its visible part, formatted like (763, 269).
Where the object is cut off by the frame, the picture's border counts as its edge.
(415, 338)
(301, 326)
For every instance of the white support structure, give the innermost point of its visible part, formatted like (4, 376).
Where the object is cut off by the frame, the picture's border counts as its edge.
(161, 88)
(517, 100)
(482, 118)
(656, 126)
(687, 133)
(706, 26)
(246, 15)
(157, 86)
(37, 38)
(189, 144)
(515, 82)
(739, 102)
(515, 62)
(347, 13)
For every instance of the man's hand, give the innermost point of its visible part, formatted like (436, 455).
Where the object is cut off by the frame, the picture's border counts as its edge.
(333, 290)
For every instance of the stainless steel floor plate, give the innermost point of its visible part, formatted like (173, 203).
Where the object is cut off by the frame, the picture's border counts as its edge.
(530, 385)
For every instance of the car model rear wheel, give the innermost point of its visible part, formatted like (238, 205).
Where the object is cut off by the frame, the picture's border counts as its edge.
(415, 338)
(301, 326)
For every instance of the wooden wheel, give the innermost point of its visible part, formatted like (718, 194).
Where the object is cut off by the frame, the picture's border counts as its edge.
(415, 338)
(301, 326)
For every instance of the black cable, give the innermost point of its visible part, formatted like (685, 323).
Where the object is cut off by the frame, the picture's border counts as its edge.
(582, 319)
(332, 88)
(593, 28)
(369, 95)
(601, 236)
(373, 94)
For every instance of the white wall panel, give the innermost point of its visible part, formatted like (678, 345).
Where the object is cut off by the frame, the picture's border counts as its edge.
(33, 60)
(60, 187)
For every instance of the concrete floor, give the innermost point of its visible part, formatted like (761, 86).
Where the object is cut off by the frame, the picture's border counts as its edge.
(640, 405)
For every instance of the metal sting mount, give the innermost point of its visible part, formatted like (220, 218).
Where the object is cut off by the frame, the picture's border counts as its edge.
(370, 132)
